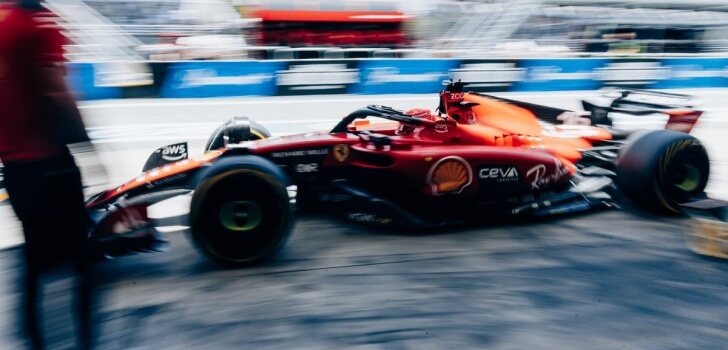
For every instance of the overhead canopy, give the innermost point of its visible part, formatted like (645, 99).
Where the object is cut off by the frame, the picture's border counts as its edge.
(330, 16)
(641, 16)
(705, 5)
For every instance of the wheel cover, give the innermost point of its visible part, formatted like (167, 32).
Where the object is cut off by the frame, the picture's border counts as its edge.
(691, 178)
(241, 216)
(685, 173)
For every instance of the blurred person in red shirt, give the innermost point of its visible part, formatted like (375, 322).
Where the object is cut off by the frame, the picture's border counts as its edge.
(38, 121)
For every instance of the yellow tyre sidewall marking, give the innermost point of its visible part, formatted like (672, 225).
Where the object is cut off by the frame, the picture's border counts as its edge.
(258, 134)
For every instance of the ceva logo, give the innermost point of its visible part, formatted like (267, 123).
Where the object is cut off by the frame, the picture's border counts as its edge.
(500, 173)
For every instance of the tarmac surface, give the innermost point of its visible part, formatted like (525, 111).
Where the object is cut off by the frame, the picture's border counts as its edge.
(611, 280)
(607, 280)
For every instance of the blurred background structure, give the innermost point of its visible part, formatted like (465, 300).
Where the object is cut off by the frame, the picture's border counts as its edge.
(130, 44)
(241, 29)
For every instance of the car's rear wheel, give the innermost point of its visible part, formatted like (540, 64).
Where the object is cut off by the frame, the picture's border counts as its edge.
(232, 128)
(240, 216)
(661, 169)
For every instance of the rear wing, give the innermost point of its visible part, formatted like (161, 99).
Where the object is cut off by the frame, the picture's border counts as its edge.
(681, 109)
(638, 102)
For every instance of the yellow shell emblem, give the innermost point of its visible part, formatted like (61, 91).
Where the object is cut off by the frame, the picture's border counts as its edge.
(450, 175)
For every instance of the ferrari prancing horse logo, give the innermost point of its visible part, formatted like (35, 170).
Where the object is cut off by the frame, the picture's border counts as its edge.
(341, 152)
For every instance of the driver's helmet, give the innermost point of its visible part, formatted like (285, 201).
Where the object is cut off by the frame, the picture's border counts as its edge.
(422, 113)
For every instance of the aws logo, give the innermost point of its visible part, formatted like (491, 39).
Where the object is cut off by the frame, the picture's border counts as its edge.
(175, 152)
(441, 127)
(449, 175)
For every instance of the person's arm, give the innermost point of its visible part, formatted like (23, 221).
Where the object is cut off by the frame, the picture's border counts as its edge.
(71, 130)
(61, 104)
(60, 110)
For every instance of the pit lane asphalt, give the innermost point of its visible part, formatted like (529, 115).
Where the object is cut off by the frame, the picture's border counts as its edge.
(609, 280)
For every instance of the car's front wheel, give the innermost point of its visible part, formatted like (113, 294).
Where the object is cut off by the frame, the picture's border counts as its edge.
(240, 216)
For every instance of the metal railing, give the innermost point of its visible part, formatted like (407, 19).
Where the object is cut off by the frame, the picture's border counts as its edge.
(481, 29)
(78, 21)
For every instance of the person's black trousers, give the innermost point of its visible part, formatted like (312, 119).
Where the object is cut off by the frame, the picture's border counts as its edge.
(47, 197)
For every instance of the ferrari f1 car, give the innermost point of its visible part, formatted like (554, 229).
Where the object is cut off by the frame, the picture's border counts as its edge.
(477, 157)
(624, 109)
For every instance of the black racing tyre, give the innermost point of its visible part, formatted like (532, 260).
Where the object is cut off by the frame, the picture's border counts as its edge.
(216, 141)
(659, 170)
(240, 217)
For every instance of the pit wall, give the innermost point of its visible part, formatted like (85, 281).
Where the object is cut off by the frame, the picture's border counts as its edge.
(194, 79)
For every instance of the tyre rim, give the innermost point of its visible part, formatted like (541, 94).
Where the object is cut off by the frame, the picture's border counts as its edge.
(689, 178)
(241, 216)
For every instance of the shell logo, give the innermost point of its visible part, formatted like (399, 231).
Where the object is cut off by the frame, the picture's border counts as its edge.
(449, 175)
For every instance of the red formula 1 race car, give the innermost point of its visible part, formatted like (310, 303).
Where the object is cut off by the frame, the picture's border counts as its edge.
(479, 157)
(623, 109)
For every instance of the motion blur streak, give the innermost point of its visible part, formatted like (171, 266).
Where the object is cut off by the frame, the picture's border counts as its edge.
(558, 255)
(152, 73)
